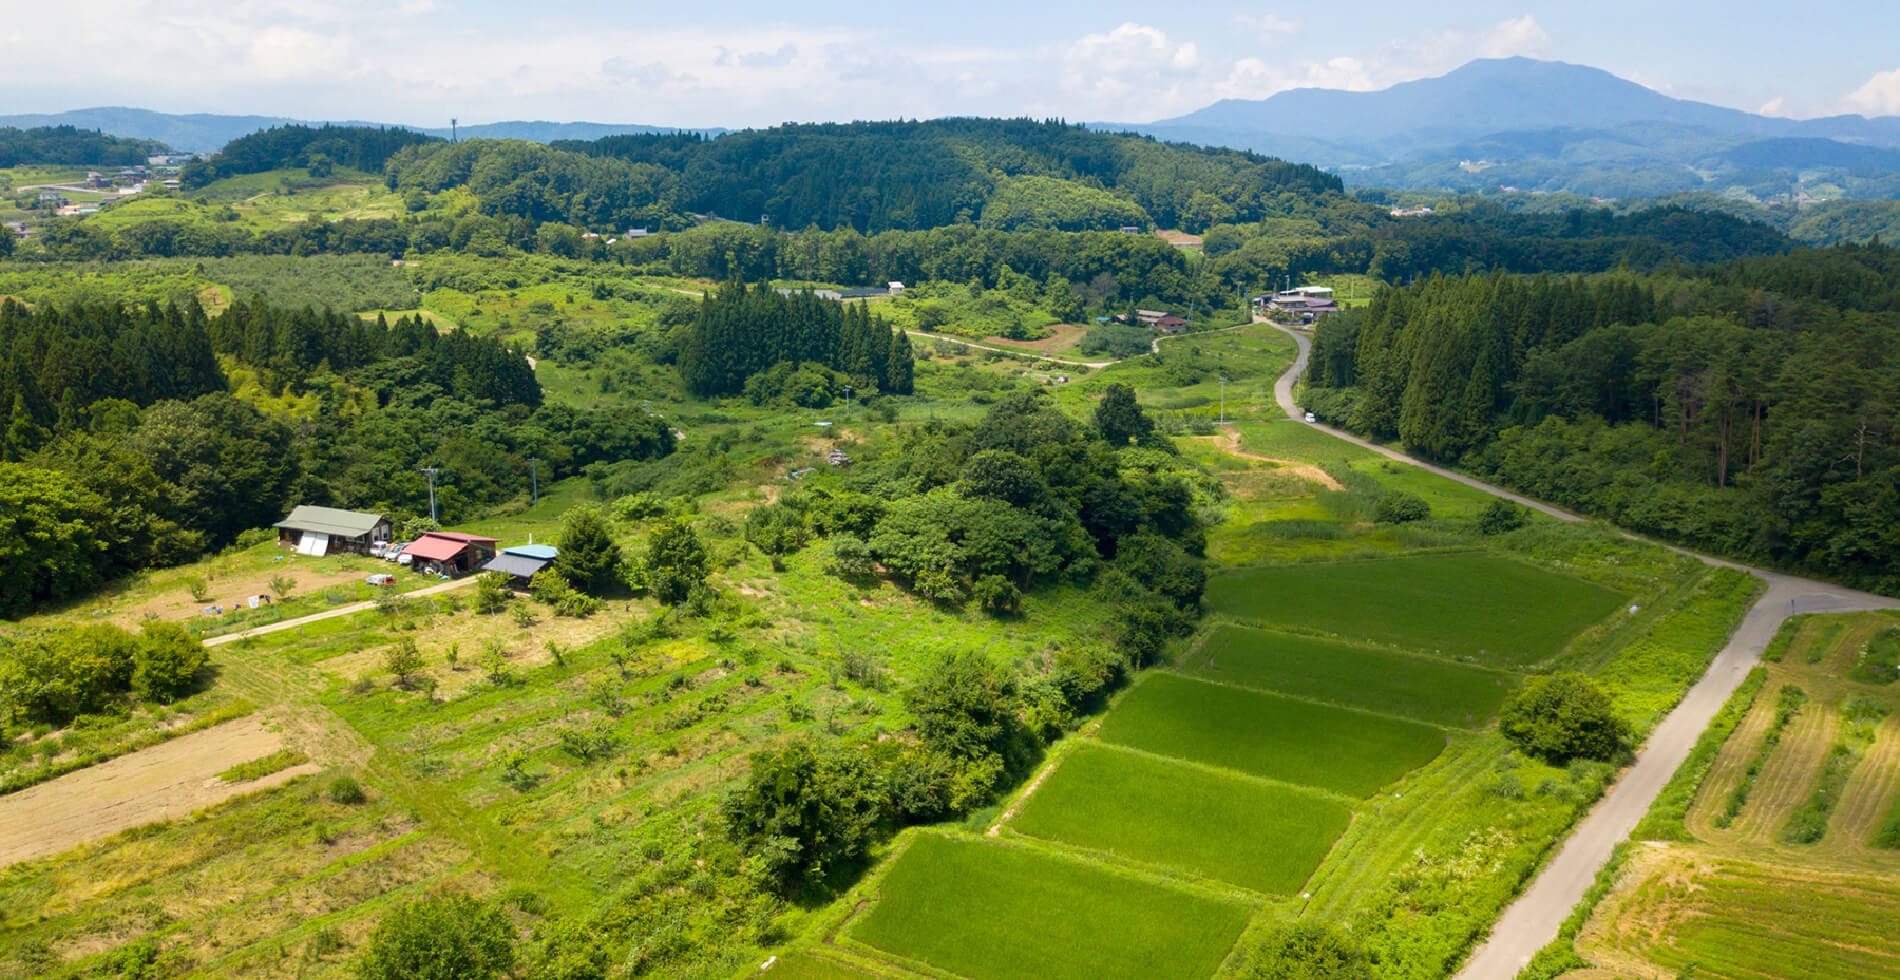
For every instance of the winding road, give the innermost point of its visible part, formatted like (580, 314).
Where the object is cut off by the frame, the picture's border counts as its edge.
(1532, 921)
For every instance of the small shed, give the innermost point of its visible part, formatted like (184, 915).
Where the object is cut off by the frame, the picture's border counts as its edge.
(448, 553)
(522, 562)
(319, 531)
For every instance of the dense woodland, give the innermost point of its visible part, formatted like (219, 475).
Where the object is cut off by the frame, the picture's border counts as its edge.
(319, 148)
(742, 332)
(68, 145)
(1746, 408)
(138, 437)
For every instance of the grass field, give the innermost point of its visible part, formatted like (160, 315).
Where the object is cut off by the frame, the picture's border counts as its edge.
(1257, 835)
(1267, 735)
(1486, 609)
(1358, 677)
(995, 912)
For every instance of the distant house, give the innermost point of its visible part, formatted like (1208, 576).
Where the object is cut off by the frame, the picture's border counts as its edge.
(1411, 212)
(897, 287)
(319, 531)
(1171, 324)
(1305, 305)
(838, 457)
(446, 553)
(1130, 230)
(522, 562)
(1149, 318)
(637, 233)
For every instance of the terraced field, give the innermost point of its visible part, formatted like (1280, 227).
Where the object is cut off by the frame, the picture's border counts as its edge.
(1422, 688)
(1257, 835)
(1489, 610)
(1270, 736)
(992, 910)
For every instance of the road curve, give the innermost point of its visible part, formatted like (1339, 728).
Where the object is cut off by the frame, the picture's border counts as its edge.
(1532, 921)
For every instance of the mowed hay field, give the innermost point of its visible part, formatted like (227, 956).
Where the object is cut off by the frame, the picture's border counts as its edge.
(1489, 610)
(1257, 835)
(1430, 690)
(1004, 912)
(1747, 922)
(1267, 735)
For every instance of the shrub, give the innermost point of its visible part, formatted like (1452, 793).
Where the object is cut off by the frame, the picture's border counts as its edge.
(1399, 507)
(345, 790)
(676, 561)
(404, 661)
(589, 558)
(1562, 717)
(1500, 516)
(492, 593)
(447, 937)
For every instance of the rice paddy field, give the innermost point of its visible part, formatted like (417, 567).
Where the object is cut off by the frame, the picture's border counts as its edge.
(1254, 834)
(1422, 688)
(1485, 609)
(1349, 752)
(985, 909)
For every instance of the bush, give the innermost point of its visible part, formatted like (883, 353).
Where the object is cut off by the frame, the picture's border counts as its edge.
(492, 593)
(1562, 717)
(448, 937)
(1500, 516)
(166, 662)
(1399, 507)
(1304, 951)
(676, 562)
(589, 559)
(850, 557)
(997, 594)
(345, 790)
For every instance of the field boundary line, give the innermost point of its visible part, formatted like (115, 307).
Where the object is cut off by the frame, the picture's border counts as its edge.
(1313, 701)
(1335, 796)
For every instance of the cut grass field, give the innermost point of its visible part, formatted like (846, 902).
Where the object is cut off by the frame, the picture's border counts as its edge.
(1257, 835)
(1486, 609)
(999, 912)
(1267, 735)
(1423, 688)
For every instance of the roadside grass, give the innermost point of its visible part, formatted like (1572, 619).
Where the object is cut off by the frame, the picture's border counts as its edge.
(1667, 816)
(1261, 836)
(32, 760)
(1648, 672)
(1479, 608)
(1421, 688)
(992, 911)
(805, 966)
(1270, 736)
(258, 768)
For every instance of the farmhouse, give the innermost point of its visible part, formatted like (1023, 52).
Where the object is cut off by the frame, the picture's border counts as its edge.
(445, 553)
(1171, 324)
(1149, 318)
(522, 562)
(1305, 302)
(319, 531)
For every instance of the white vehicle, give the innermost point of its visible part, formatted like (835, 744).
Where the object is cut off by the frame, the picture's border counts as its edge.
(1310, 417)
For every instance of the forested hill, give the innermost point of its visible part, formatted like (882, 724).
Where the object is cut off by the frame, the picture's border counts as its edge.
(319, 148)
(1003, 173)
(1746, 408)
(67, 145)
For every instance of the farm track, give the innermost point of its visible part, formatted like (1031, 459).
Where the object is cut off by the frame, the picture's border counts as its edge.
(1532, 921)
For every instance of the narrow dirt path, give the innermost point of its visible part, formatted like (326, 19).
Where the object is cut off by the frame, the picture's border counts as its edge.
(349, 610)
(165, 782)
(1532, 921)
(1230, 441)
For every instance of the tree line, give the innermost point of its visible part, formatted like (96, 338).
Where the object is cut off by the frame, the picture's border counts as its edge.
(1745, 408)
(70, 145)
(319, 148)
(740, 332)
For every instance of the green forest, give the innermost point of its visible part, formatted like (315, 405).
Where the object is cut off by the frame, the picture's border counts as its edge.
(1743, 407)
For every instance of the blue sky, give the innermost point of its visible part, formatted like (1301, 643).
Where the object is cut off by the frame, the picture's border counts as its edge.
(748, 63)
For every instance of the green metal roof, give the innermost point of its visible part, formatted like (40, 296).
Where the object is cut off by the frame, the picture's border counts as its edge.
(329, 520)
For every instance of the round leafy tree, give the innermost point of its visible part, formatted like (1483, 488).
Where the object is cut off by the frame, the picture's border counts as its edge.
(1562, 717)
(445, 937)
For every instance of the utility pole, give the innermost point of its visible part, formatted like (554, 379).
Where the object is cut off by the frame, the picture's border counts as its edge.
(1223, 399)
(452, 136)
(432, 471)
(534, 479)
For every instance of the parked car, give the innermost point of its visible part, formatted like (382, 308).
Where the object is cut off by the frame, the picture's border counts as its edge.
(380, 579)
(394, 550)
(1310, 417)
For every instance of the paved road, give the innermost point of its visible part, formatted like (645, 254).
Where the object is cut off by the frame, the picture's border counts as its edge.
(1154, 346)
(355, 607)
(1531, 922)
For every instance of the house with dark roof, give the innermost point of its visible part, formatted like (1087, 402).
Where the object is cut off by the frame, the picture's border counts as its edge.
(448, 553)
(319, 531)
(1171, 324)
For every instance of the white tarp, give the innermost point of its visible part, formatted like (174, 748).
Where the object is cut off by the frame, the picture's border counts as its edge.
(313, 543)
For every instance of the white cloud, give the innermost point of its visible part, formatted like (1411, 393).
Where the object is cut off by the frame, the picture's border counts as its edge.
(1511, 38)
(1270, 28)
(1879, 97)
(1773, 107)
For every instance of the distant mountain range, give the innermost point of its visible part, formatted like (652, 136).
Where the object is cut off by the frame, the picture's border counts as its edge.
(1544, 125)
(206, 132)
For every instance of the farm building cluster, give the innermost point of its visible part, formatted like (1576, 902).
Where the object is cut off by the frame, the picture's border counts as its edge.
(1302, 304)
(319, 531)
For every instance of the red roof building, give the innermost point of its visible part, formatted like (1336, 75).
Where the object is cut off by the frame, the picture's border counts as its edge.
(448, 553)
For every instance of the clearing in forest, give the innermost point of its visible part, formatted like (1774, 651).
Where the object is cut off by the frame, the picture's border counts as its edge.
(1424, 688)
(1257, 835)
(1003, 912)
(1267, 735)
(1490, 610)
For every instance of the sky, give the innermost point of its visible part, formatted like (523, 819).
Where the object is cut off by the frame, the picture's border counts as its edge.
(740, 63)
